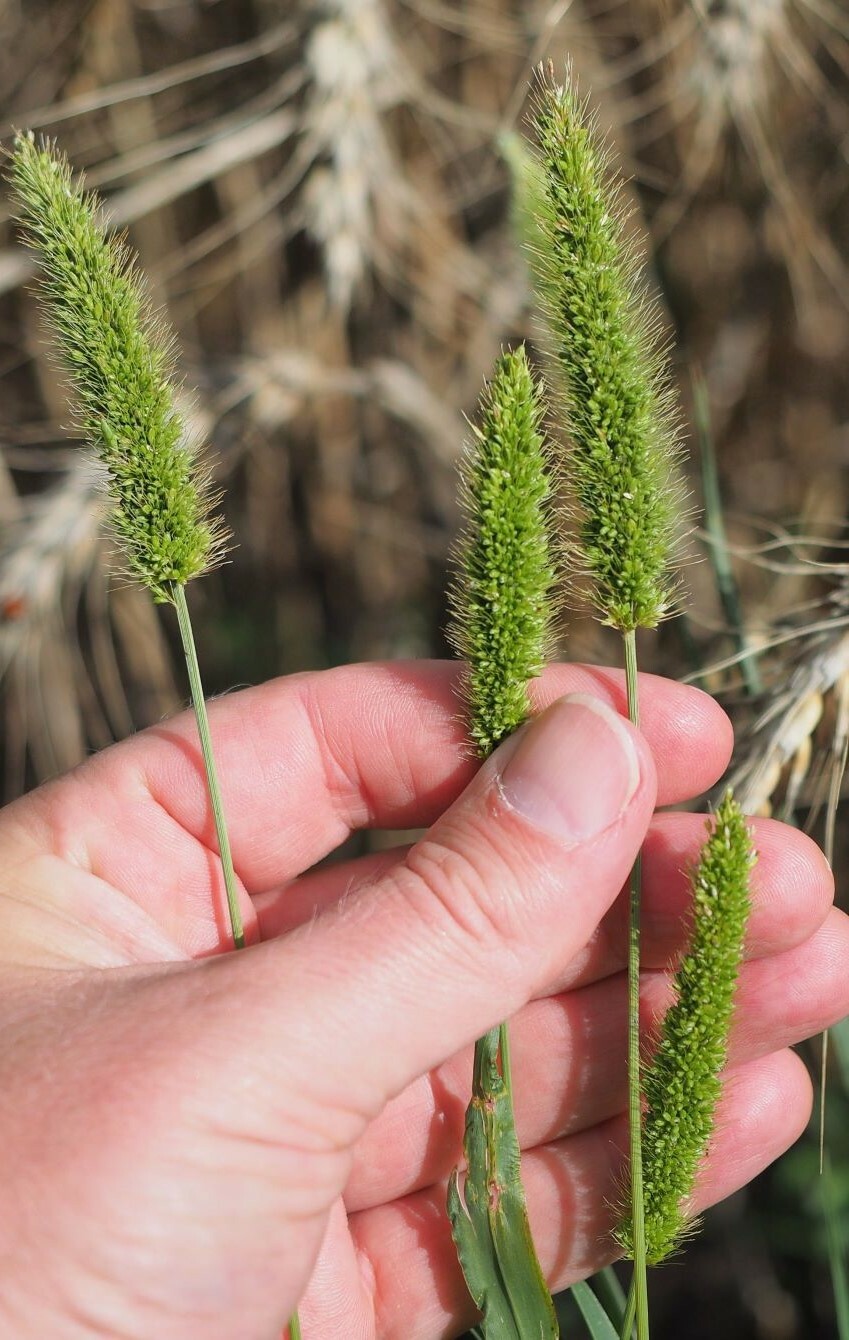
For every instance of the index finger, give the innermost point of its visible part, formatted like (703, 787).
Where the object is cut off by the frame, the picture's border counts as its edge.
(306, 760)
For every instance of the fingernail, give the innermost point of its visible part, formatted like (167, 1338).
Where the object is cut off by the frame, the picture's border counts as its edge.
(573, 770)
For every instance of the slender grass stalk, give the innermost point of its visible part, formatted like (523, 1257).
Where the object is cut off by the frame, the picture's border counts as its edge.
(120, 363)
(199, 702)
(501, 624)
(640, 1291)
(621, 465)
(838, 772)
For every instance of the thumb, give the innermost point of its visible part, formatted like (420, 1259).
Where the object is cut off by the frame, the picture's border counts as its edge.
(485, 910)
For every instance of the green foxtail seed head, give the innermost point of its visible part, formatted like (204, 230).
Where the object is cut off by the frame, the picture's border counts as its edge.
(622, 427)
(681, 1086)
(501, 600)
(120, 364)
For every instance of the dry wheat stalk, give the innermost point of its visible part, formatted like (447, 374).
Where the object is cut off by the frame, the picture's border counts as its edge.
(781, 745)
(353, 68)
(48, 556)
(731, 71)
(50, 549)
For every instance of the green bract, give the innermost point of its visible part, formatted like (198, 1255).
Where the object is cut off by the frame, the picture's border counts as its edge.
(619, 416)
(119, 361)
(501, 600)
(682, 1085)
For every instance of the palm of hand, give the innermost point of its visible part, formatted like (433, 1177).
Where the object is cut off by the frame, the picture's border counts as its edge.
(211, 1130)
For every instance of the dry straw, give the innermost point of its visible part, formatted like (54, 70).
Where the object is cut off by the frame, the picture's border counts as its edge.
(352, 67)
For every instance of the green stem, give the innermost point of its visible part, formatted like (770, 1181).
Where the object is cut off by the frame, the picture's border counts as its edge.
(635, 1114)
(199, 704)
(838, 772)
(628, 1319)
(222, 837)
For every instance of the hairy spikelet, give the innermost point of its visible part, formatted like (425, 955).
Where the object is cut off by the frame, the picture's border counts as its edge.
(682, 1085)
(622, 466)
(502, 598)
(120, 365)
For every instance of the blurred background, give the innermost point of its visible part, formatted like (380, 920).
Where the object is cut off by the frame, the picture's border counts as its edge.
(318, 193)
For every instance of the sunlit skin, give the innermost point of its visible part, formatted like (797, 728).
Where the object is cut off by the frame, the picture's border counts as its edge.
(195, 1141)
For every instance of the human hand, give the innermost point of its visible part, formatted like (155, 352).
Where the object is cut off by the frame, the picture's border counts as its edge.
(191, 1138)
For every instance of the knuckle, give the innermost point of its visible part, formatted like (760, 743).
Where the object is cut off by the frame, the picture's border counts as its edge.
(469, 891)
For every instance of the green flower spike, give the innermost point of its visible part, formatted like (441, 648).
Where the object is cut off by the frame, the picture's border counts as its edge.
(502, 625)
(501, 602)
(621, 465)
(682, 1085)
(119, 359)
(619, 412)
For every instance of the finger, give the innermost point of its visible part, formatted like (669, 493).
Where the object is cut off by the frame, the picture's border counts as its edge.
(568, 1060)
(416, 1284)
(792, 889)
(305, 760)
(792, 892)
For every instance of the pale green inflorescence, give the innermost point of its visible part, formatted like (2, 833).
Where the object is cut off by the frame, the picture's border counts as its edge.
(501, 600)
(682, 1084)
(119, 361)
(622, 467)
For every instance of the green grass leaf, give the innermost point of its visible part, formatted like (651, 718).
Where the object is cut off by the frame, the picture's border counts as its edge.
(491, 1231)
(599, 1325)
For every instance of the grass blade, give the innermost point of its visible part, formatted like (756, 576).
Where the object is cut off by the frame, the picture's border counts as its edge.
(599, 1325)
(610, 1294)
(836, 1253)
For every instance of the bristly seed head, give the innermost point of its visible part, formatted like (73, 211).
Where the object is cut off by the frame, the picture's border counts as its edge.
(501, 600)
(119, 360)
(622, 466)
(682, 1085)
